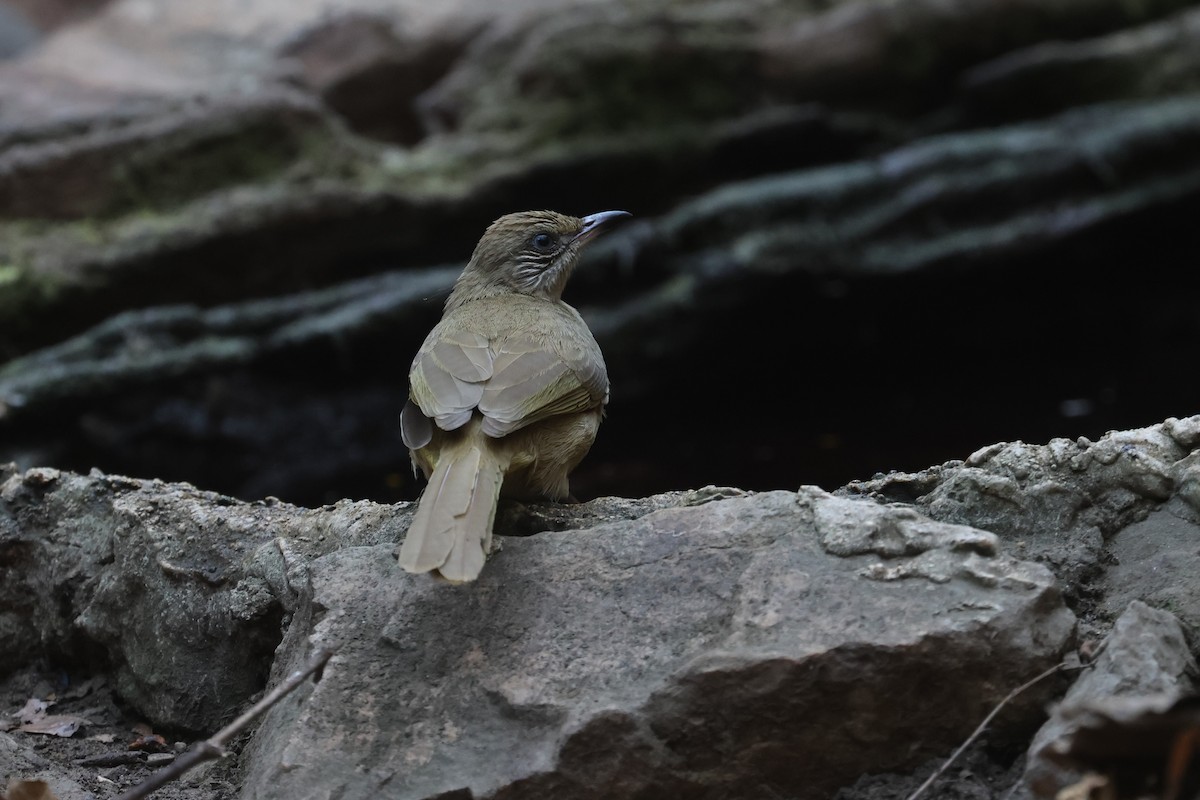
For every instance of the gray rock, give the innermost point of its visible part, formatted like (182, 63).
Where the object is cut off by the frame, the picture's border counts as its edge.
(209, 393)
(16, 32)
(207, 139)
(666, 645)
(693, 650)
(1148, 60)
(1156, 560)
(1145, 656)
(184, 592)
(1059, 503)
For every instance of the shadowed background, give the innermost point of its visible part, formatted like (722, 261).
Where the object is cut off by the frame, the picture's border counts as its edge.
(868, 235)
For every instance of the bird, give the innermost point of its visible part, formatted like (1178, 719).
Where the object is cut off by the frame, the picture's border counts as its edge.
(506, 393)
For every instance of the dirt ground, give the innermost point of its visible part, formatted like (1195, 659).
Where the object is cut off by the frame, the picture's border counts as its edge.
(980, 773)
(109, 753)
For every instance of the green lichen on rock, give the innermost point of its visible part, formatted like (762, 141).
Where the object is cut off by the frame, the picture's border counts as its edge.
(169, 171)
(600, 73)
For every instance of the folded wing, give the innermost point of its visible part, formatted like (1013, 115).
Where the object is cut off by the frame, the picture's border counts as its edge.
(514, 382)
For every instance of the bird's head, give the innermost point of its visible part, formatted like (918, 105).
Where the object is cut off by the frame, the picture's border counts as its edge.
(532, 252)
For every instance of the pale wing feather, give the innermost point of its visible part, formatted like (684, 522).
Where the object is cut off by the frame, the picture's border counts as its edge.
(415, 429)
(588, 366)
(448, 376)
(523, 383)
(531, 382)
(464, 355)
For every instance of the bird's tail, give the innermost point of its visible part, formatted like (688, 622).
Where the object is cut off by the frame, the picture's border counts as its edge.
(452, 529)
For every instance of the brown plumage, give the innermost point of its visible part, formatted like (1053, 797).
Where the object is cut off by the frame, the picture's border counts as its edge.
(506, 393)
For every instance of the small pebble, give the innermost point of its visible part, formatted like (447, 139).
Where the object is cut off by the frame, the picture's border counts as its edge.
(181, 746)
(159, 759)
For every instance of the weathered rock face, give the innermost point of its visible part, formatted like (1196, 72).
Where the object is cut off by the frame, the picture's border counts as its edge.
(1144, 660)
(829, 180)
(163, 584)
(681, 645)
(183, 594)
(225, 227)
(1073, 504)
(1154, 559)
(692, 651)
(691, 648)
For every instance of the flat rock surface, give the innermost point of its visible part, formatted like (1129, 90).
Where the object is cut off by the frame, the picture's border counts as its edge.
(694, 650)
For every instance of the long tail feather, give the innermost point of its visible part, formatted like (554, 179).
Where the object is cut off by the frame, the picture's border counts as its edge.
(451, 531)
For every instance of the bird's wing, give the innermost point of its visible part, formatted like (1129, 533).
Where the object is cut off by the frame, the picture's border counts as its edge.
(448, 376)
(531, 381)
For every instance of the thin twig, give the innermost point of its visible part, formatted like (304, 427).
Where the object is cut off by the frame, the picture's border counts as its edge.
(1061, 667)
(214, 747)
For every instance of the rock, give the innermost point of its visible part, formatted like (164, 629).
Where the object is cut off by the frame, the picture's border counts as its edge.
(150, 134)
(16, 32)
(677, 644)
(1155, 59)
(1061, 502)
(370, 73)
(1144, 659)
(873, 52)
(826, 165)
(695, 649)
(652, 290)
(1154, 559)
(183, 592)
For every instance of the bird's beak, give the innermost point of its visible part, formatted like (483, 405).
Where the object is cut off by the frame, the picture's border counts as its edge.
(594, 223)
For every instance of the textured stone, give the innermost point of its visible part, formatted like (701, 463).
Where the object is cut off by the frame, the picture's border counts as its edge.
(1156, 561)
(184, 592)
(1061, 502)
(1146, 656)
(693, 650)
(1154, 59)
(151, 133)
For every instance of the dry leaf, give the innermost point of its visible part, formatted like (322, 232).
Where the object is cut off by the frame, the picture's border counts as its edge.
(151, 743)
(54, 725)
(29, 790)
(1093, 786)
(103, 738)
(33, 710)
(34, 719)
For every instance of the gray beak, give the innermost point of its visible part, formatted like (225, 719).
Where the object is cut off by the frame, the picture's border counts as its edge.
(594, 223)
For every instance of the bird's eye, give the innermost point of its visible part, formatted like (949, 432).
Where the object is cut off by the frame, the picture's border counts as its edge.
(543, 242)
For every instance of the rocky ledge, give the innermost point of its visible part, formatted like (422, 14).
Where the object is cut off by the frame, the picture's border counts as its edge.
(692, 644)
